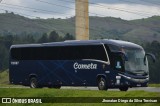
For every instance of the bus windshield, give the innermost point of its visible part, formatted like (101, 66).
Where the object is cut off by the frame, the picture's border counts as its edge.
(135, 63)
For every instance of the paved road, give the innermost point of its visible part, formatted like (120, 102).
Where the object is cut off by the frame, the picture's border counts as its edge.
(149, 89)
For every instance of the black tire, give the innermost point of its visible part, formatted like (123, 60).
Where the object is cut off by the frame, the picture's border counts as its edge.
(33, 82)
(102, 85)
(123, 88)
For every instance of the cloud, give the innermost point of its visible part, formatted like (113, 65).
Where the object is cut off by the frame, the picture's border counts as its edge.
(63, 9)
(124, 11)
(43, 10)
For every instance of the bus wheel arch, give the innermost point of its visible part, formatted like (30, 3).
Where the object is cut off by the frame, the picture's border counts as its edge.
(102, 82)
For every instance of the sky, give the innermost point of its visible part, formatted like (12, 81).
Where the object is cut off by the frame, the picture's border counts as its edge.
(125, 9)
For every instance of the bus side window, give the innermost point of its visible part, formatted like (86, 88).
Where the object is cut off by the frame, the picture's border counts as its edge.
(98, 53)
(16, 54)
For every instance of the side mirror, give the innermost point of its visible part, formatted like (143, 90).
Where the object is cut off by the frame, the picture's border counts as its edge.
(151, 55)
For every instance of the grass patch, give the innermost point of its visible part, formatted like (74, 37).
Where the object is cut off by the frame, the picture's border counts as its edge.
(154, 85)
(21, 92)
(4, 80)
(4, 77)
(45, 92)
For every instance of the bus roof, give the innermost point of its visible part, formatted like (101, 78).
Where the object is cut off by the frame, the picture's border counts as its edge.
(118, 43)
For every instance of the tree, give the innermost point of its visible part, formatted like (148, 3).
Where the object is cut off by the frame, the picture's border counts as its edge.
(29, 39)
(53, 37)
(4, 57)
(43, 39)
(68, 37)
(154, 72)
(8, 40)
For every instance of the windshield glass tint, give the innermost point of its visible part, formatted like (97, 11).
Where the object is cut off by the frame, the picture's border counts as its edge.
(135, 63)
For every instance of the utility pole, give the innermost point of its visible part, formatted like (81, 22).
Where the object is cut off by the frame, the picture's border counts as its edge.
(82, 20)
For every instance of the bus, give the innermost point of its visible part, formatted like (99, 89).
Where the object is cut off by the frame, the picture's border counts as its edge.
(94, 63)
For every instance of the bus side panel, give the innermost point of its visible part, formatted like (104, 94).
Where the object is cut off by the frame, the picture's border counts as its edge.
(20, 73)
(57, 73)
(46, 71)
(66, 73)
(88, 71)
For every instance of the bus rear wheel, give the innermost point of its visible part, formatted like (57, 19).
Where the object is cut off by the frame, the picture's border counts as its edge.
(33, 83)
(102, 84)
(123, 88)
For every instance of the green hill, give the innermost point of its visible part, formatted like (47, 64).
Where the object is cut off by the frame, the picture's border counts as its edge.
(100, 27)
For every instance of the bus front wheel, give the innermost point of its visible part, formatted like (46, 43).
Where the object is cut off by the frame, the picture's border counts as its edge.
(33, 83)
(102, 84)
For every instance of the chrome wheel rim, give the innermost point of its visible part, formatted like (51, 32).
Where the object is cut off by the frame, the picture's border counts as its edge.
(101, 84)
(33, 83)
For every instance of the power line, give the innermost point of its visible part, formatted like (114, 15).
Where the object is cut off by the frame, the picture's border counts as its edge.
(72, 23)
(31, 10)
(24, 15)
(63, 6)
(137, 12)
(42, 10)
(135, 2)
(32, 15)
(58, 12)
(48, 22)
(36, 16)
(79, 10)
(20, 13)
(93, 29)
(126, 10)
(88, 12)
(34, 9)
(129, 1)
(151, 2)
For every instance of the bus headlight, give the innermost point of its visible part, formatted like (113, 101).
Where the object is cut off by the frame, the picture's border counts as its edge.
(118, 77)
(118, 80)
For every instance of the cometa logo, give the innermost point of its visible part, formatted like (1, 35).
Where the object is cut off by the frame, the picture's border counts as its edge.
(85, 66)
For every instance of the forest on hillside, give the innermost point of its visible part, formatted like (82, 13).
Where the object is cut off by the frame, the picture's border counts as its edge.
(147, 29)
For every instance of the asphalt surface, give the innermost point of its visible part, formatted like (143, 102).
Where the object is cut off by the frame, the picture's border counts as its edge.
(148, 89)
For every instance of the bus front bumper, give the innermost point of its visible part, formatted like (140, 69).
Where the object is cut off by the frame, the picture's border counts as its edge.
(131, 82)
